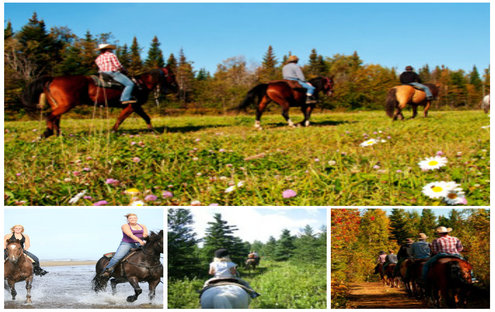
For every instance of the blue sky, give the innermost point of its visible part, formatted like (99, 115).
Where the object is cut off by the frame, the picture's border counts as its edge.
(390, 34)
(260, 223)
(77, 233)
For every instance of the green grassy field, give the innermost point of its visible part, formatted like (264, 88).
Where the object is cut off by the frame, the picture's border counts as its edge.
(282, 286)
(196, 160)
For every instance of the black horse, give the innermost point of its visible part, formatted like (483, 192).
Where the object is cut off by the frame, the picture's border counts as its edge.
(287, 93)
(142, 266)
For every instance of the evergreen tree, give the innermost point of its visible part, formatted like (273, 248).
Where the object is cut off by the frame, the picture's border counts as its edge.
(424, 73)
(474, 79)
(124, 56)
(398, 225)
(181, 246)
(155, 56)
(203, 74)
(220, 235)
(310, 247)
(285, 246)
(269, 66)
(269, 248)
(8, 32)
(136, 65)
(87, 47)
(427, 223)
(184, 77)
(172, 62)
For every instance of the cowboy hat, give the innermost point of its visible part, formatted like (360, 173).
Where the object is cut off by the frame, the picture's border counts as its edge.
(292, 58)
(105, 46)
(443, 229)
(422, 236)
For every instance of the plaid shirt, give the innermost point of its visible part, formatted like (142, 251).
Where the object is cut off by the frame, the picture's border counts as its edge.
(446, 244)
(108, 62)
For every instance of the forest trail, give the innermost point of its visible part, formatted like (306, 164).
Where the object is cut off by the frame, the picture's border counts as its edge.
(374, 295)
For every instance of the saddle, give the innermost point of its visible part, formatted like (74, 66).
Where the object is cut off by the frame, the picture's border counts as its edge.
(293, 84)
(106, 81)
(225, 281)
(109, 256)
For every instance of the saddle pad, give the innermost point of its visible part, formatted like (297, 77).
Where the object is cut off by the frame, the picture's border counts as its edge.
(292, 83)
(106, 81)
(222, 283)
(109, 255)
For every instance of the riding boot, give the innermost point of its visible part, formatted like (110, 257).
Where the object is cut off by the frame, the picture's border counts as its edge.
(107, 273)
(38, 270)
(310, 99)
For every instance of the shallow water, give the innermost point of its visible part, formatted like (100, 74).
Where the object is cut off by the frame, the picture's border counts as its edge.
(69, 287)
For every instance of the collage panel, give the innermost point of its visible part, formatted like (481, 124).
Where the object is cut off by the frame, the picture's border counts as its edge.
(410, 258)
(91, 258)
(257, 258)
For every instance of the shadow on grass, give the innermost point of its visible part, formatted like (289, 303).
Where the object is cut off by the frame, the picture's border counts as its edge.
(258, 271)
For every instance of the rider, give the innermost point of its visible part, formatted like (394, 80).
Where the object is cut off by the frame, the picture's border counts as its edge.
(421, 248)
(223, 268)
(17, 234)
(291, 71)
(444, 245)
(409, 77)
(390, 258)
(108, 63)
(382, 255)
(405, 252)
(133, 234)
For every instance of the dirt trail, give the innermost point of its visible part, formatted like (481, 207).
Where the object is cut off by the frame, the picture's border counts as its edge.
(374, 296)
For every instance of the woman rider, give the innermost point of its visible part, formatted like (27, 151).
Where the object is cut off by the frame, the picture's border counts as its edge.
(17, 234)
(132, 237)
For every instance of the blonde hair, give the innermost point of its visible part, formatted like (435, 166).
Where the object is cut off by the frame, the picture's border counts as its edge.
(224, 259)
(130, 214)
(12, 228)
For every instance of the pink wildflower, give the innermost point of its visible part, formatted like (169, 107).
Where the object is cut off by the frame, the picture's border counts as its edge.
(150, 197)
(101, 203)
(167, 194)
(112, 182)
(289, 193)
(136, 159)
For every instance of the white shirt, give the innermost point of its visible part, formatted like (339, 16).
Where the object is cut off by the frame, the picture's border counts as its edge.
(222, 269)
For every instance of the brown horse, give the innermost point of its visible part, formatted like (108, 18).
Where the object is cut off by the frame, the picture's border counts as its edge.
(64, 93)
(142, 266)
(404, 275)
(449, 279)
(391, 278)
(18, 267)
(251, 264)
(415, 270)
(286, 93)
(379, 270)
(399, 96)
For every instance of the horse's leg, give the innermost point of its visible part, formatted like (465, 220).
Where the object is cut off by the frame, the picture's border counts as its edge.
(113, 283)
(306, 110)
(29, 285)
(152, 287)
(53, 120)
(13, 292)
(415, 111)
(259, 111)
(139, 110)
(427, 107)
(137, 290)
(123, 115)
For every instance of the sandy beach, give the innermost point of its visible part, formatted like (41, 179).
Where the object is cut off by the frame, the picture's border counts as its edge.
(66, 263)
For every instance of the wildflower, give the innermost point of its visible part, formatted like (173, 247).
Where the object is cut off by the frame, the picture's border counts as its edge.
(112, 182)
(101, 203)
(376, 167)
(432, 163)
(440, 153)
(332, 162)
(18, 174)
(76, 198)
(136, 159)
(198, 174)
(195, 159)
(141, 143)
(455, 197)
(67, 179)
(195, 203)
(221, 150)
(437, 189)
(137, 203)
(167, 194)
(316, 159)
(150, 197)
(289, 193)
(229, 165)
(132, 191)
(86, 169)
(368, 142)
(133, 143)
(197, 140)
(398, 171)
(230, 189)
(76, 173)
(89, 158)
(213, 204)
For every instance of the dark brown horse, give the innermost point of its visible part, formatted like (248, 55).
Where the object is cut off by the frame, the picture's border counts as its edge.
(391, 278)
(142, 266)
(18, 267)
(415, 270)
(379, 270)
(449, 279)
(64, 93)
(399, 96)
(286, 93)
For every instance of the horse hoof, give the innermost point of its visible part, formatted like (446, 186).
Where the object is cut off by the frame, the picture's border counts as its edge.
(131, 299)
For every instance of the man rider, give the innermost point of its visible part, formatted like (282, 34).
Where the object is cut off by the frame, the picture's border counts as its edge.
(421, 248)
(109, 64)
(444, 245)
(390, 258)
(291, 71)
(409, 77)
(405, 252)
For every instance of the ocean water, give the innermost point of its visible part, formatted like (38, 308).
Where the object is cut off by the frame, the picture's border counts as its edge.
(69, 287)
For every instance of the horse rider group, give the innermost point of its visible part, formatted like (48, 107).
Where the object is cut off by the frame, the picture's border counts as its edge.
(442, 246)
(254, 255)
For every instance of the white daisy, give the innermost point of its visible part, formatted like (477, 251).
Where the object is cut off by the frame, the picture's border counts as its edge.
(455, 197)
(137, 203)
(436, 189)
(230, 189)
(432, 163)
(368, 142)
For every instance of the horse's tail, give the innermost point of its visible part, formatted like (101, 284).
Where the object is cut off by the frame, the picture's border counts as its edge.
(99, 282)
(455, 274)
(252, 94)
(33, 97)
(391, 102)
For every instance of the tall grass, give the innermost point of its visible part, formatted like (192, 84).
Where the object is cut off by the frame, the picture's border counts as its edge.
(198, 158)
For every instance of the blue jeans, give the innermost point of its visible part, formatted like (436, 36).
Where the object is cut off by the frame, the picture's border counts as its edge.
(428, 263)
(310, 89)
(420, 86)
(128, 84)
(121, 252)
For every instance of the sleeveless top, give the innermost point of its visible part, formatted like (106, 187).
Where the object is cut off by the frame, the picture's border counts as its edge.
(138, 233)
(13, 239)
(222, 269)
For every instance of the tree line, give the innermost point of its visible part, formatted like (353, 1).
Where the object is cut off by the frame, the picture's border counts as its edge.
(34, 51)
(189, 255)
(357, 237)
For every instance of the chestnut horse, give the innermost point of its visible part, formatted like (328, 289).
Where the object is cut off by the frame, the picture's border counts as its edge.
(142, 266)
(287, 93)
(64, 93)
(18, 267)
(449, 279)
(399, 96)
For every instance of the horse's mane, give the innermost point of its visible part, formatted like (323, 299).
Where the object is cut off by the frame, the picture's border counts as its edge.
(153, 238)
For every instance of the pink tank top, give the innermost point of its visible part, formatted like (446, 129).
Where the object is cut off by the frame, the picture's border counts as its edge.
(138, 233)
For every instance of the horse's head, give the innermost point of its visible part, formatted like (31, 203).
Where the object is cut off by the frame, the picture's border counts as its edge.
(168, 83)
(14, 251)
(324, 84)
(155, 242)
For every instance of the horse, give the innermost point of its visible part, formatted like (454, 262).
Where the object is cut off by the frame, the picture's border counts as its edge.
(379, 270)
(485, 103)
(449, 279)
(142, 266)
(225, 297)
(251, 264)
(287, 93)
(65, 92)
(391, 278)
(405, 275)
(399, 96)
(415, 271)
(18, 267)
